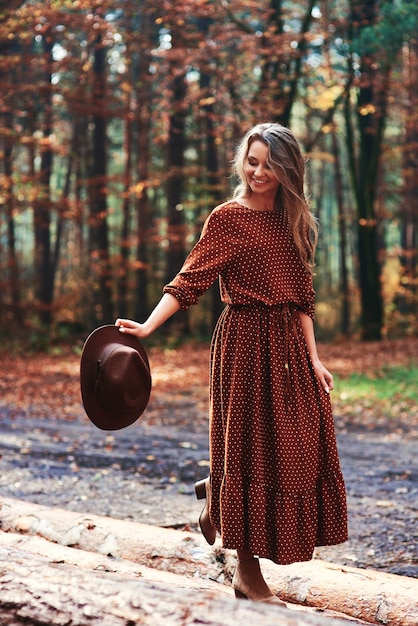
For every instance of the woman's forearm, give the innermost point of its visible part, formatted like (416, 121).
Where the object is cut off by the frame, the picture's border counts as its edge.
(167, 306)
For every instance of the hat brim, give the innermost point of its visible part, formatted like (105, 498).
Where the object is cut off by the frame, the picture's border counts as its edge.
(93, 345)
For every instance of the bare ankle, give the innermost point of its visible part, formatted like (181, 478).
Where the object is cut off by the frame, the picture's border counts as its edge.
(245, 555)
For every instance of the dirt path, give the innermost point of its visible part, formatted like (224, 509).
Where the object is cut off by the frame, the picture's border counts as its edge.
(52, 455)
(146, 473)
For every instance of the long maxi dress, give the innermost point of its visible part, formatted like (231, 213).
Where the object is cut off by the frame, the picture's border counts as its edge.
(277, 486)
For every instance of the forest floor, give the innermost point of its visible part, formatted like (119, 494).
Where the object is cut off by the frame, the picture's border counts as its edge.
(51, 454)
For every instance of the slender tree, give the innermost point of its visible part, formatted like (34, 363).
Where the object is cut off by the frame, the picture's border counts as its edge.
(99, 235)
(207, 107)
(370, 72)
(125, 236)
(42, 203)
(371, 94)
(144, 95)
(408, 293)
(8, 142)
(175, 163)
(342, 229)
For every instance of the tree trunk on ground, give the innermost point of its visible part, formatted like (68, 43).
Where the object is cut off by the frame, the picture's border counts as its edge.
(177, 559)
(39, 590)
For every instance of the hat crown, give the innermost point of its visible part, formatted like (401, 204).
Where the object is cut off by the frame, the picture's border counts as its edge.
(118, 378)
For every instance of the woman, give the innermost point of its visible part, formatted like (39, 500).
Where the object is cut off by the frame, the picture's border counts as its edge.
(275, 488)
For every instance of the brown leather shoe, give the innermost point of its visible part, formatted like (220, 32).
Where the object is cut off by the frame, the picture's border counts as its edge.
(202, 489)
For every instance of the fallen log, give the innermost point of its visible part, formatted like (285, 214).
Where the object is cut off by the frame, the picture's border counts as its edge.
(82, 559)
(36, 590)
(374, 597)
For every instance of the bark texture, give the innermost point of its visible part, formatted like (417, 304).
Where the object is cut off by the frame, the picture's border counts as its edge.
(62, 567)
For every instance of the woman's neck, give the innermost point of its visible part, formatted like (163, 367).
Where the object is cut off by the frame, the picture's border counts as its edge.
(258, 202)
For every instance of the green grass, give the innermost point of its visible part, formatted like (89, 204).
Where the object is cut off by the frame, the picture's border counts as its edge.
(390, 391)
(387, 383)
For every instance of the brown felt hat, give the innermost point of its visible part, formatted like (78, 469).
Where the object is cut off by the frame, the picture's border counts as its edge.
(115, 378)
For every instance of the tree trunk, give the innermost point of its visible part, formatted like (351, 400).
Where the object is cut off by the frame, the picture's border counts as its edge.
(212, 168)
(175, 177)
(369, 266)
(110, 578)
(344, 285)
(143, 81)
(13, 265)
(407, 298)
(102, 312)
(176, 145)
(63, 204)
(42, 203)
(125, 237)
(43, 590)
(11, 302)
(370, 117)
(141, 272)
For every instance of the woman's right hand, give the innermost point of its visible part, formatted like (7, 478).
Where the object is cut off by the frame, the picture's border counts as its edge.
(166, 307)
(130, 327)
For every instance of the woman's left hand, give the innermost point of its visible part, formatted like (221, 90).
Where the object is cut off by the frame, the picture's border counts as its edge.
(325, 377)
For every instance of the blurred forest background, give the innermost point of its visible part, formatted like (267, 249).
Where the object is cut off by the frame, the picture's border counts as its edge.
(118, 122)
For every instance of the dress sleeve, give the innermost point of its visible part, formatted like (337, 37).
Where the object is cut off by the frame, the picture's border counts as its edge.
(308, 307)
(306, 300)
(205, 262)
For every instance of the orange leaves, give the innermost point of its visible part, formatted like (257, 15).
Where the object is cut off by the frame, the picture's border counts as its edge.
(47, 386)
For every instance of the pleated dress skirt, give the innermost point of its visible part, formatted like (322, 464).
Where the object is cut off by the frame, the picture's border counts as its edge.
(277, 486)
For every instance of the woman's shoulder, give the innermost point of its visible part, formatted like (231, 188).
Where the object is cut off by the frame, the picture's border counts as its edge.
(228, 207)
(222, 218)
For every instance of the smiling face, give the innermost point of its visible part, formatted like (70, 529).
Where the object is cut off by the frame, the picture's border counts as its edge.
(258, 173)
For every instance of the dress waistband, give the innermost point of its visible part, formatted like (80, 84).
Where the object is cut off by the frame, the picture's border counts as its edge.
(286, 306)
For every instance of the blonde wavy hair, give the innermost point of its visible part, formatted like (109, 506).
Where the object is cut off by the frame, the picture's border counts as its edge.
(288, 164)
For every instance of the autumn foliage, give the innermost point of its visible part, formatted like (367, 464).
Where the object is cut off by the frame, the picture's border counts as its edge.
(118, 121)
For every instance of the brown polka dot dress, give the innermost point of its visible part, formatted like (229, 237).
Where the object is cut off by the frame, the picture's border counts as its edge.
(277, 486)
